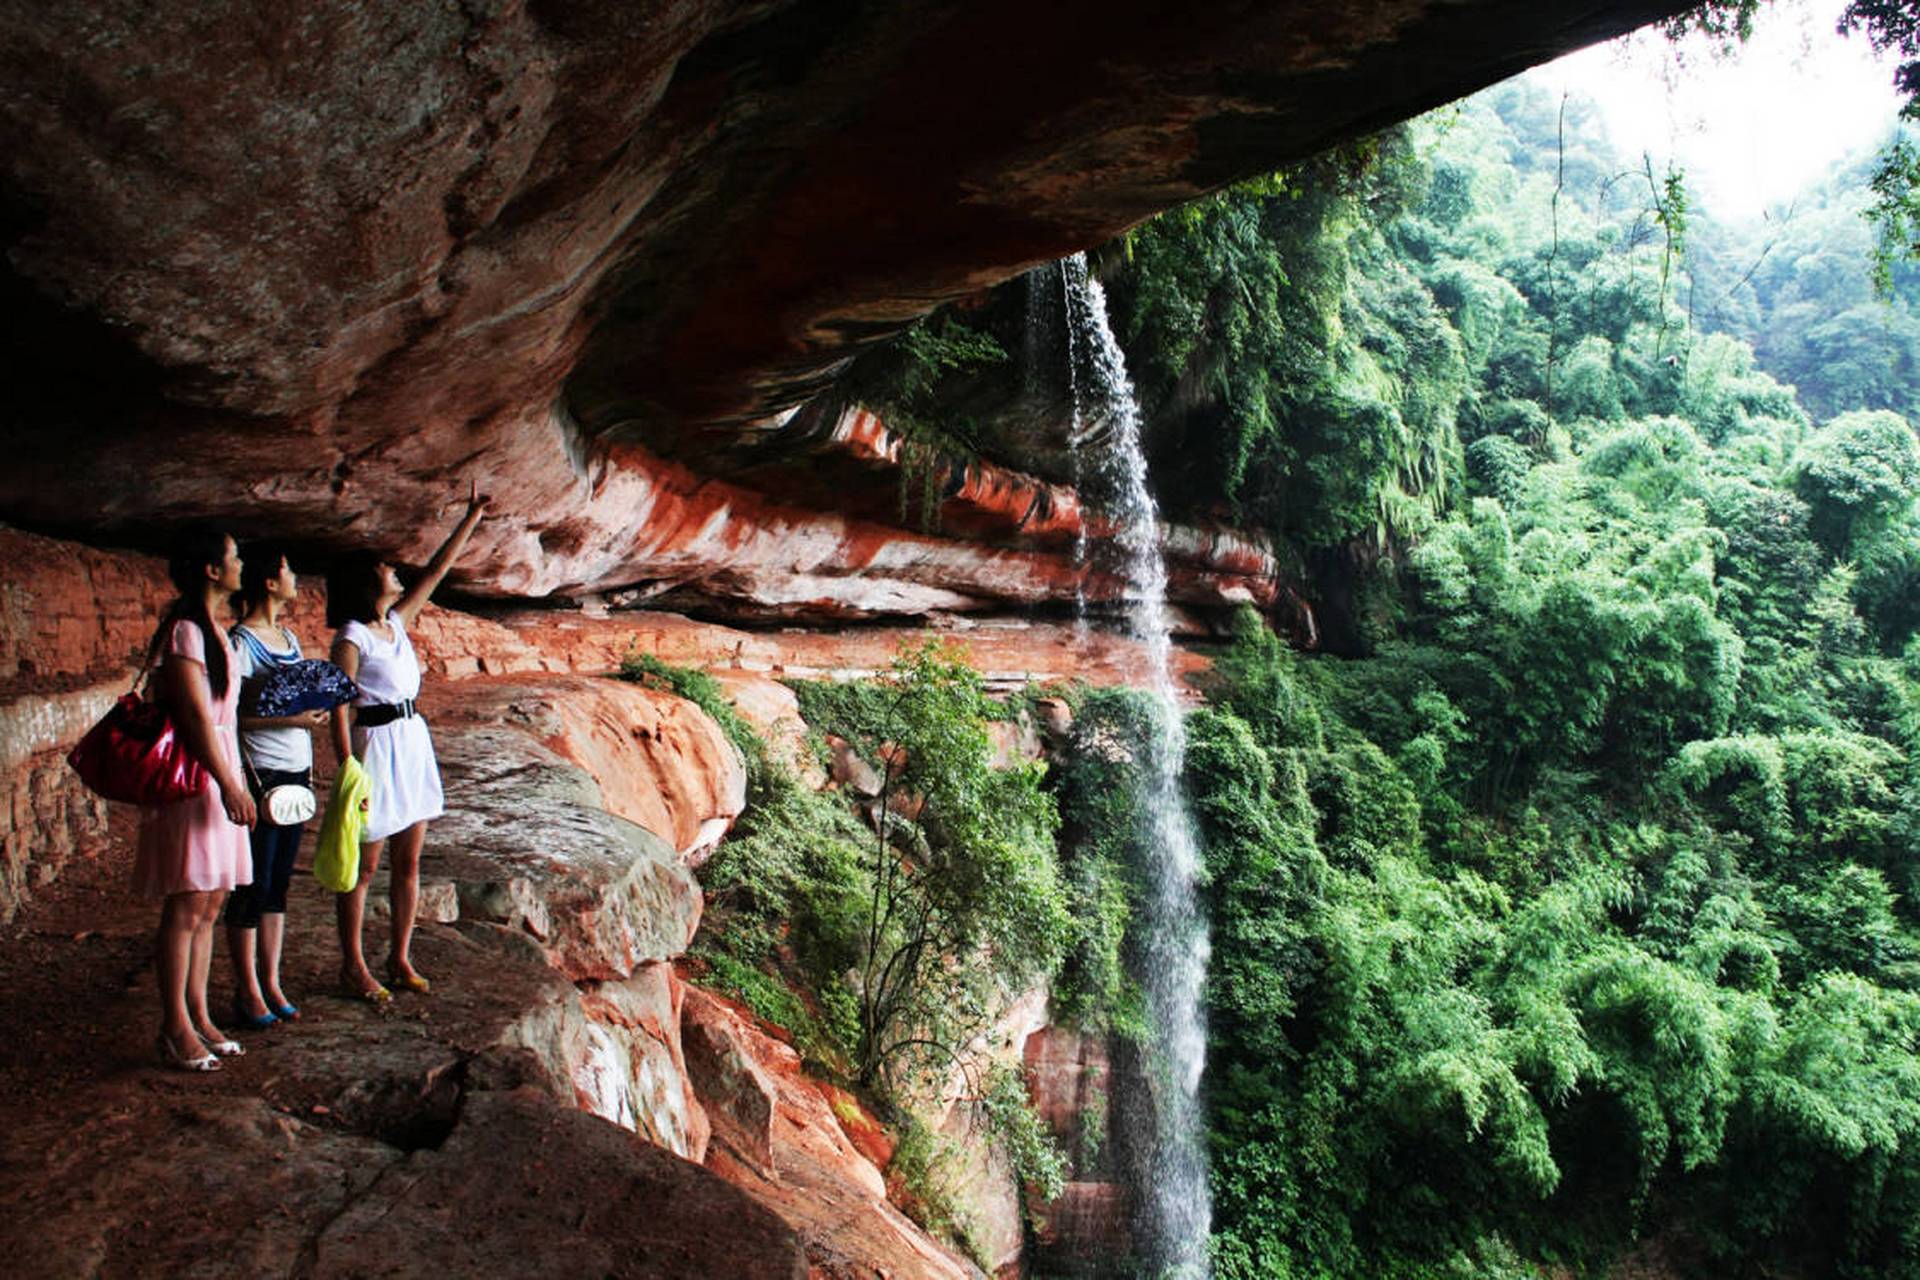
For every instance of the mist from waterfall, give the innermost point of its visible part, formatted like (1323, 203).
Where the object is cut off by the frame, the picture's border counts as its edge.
(1177, 1205)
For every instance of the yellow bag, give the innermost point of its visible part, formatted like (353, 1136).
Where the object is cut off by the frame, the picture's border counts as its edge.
(336, 860)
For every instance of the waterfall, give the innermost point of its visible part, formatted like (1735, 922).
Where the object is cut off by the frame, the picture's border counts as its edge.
(1178, 1208)
(1049, 334)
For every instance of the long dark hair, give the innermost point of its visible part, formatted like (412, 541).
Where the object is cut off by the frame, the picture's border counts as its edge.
(353, 589)
(193, 551)
(259, 564)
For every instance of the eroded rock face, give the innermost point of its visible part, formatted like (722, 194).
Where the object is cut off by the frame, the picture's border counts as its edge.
(982, 1177)
(1071, 1081)
(306, 268)
(781, 1138)
(660, 761)
(72, 621)
(533, 849)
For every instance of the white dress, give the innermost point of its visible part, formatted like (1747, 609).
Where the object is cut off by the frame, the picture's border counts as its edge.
(398, 756)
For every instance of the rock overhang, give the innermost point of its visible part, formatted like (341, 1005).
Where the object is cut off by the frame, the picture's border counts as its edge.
(303, 269)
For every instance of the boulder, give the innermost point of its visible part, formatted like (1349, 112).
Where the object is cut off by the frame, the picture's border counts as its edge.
(636, 1072)
(815, 1175)
(738, 1096)
(439, 901)
(848, 770)
(659, 760)
(774, 712)
(531, 848)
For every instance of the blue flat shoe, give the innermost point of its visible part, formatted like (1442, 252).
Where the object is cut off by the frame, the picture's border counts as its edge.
(288, 1012)
(255, 1021)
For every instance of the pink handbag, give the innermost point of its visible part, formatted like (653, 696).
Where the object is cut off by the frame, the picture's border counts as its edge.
(134, 754)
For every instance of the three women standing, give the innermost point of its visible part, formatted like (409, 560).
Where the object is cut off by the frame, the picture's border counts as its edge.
(193, 852)
(383, 728)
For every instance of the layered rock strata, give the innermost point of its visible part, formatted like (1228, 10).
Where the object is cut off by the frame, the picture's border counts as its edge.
(73, 619)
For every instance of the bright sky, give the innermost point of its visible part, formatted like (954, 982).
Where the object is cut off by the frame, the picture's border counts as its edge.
(1751, 129)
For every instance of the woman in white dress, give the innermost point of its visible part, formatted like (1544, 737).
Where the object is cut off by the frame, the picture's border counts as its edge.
(383, 729)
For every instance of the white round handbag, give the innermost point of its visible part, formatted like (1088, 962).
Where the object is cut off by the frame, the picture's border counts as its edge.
(289, 805)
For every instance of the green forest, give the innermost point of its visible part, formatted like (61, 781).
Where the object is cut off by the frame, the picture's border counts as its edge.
(1565, 894)
(1574, 901)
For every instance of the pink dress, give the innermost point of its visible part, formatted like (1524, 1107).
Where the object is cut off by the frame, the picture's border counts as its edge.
(190, 844)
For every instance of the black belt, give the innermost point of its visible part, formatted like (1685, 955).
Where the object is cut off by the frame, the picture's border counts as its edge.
(375, 714)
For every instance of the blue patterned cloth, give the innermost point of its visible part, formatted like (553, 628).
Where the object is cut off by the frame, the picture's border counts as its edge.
(311, 684)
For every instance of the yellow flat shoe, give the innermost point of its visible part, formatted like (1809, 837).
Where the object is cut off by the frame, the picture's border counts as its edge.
(416, 983)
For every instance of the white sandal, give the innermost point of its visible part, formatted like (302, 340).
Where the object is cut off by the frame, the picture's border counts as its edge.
(173, 1058)
(226, 1048)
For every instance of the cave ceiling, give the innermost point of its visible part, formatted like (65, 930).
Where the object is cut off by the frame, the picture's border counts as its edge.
(303, 267)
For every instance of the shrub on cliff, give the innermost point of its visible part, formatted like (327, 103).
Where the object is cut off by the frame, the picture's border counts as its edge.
(963, 904)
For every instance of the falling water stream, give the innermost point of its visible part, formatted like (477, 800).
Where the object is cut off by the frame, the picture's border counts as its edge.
(1177, 1205)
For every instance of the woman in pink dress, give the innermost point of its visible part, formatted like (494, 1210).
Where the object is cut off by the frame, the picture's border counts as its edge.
(193, 851)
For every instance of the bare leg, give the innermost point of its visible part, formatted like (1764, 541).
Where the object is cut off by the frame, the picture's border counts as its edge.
(273, 933)
(242, 948)
(403, 891)
(202, 962)
(177, 919)
(350, 909)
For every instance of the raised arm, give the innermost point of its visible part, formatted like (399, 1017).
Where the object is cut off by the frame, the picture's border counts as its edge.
(417, 595)
(191, 701)
(346, 656)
